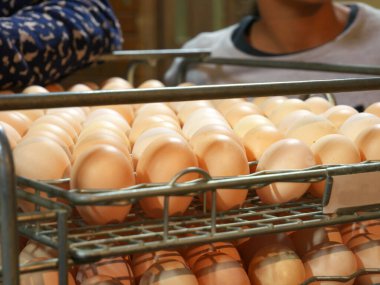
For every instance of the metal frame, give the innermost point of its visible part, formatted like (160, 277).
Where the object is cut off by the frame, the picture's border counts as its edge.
(169, 232)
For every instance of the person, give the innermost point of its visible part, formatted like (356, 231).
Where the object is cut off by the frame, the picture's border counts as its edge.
(292, 30)
(42, 41)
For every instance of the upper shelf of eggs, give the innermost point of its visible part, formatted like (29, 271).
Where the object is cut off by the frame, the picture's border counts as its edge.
(113, 147)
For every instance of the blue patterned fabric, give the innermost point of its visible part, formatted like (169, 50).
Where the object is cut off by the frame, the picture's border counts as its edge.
(42, 41)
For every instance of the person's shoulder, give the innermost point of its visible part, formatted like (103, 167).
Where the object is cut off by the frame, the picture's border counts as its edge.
(207, 39)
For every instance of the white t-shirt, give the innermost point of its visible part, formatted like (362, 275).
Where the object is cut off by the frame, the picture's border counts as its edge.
(359, 44)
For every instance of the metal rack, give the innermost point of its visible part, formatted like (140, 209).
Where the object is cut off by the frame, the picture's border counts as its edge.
(88, 243)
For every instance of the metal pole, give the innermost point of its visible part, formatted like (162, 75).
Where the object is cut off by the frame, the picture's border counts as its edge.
(9, 236)
(170, 94)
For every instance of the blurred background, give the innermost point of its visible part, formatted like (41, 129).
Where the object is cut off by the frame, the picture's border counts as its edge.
(164, 24)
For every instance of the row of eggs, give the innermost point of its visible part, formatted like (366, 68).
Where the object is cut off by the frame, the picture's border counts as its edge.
(286, 258)
(102, 147)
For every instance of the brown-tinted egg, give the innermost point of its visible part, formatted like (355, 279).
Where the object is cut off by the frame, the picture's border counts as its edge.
(173, 154)
(187, 108)
(71, 119)
(351, 230)
(35, 89)
(307, 239)
(258, 139)
(276, 264)
(339, 114)
(117, 268)
(368, 143)
(353, 126)
(17, 120)
(366, 248)
(102, 167)
(318, 105)
(219, 268)
(141, 262)
(54, 87)
(332, 149)
(146, 123)
(193, 253)
(156, 109)
(77, 113)
(221, 156)
(310, 129)
(223, 104)
(249, 122)
(293, 118)
(58, 121)
(148, 137)
(151, 83)
(101, 280)
(126, 111)
(284, 155)
(240, 110)
(108, 115)
(330, 259)
(80, 88)
(271, 103)
(12, 135)
(115, 83)
(285, 108)
(192, 126)
(373, 109)
(168, 272)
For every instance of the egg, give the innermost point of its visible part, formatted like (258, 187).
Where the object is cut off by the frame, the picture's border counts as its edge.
(318, 105)
(221, 156)
(48, 277)
(240, 110)
(339, 114)
(126, 111)
(373, 109)
(351, 230)
(192, 126)
(108, 115)
(219, 268)
(258, 139)
(168, 272)
(151, 83)
(223, 104)
(146, 123)
(332, 149)
(117, 268)
(101, 137)
(174, 155)
(285, 108)
(352, 127)
(249, 122)
(156, 109)
(17, 120)
(368, 143)
(366, 248)
(148, 137)
(276, 264)
(289, 120)
(79, 88)
(330, 259)
(307, 239)
(249, 247)
(193, 253)
(115, 83)
(76, 112)
(142, 261)
(58, 121)
(43, 127)
(71, 119)
(102, 167)
(34, 250)
(271, 103)
(284, 154)
(54, 87)
(310, 129)
(12, 135)
(187, 108)
(101, 280)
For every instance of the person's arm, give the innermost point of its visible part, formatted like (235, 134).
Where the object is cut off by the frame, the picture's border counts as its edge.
(41, 43)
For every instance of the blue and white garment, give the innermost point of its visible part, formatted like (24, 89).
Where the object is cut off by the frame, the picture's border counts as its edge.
(42, 41)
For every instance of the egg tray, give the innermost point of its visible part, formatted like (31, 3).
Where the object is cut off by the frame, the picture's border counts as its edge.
(197, 225)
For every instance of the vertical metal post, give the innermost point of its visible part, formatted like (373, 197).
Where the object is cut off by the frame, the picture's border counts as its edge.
(8, 212)
(166, 218)
(63, 265)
